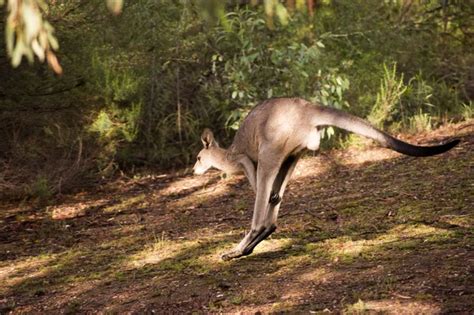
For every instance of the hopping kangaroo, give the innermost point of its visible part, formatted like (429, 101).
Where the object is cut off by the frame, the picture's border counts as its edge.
(268, 145)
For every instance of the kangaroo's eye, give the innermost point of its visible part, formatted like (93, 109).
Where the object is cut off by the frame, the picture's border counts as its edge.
(199, 158)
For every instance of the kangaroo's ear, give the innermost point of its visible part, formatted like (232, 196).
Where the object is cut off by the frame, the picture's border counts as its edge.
(207, 138)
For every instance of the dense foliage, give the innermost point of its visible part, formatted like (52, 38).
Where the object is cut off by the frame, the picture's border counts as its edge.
(138, 88)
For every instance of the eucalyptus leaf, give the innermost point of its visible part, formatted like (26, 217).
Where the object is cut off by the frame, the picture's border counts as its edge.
(33, 21)
(29, 54)
(282, 13)
(38, 50)
(53, 41)
(10, 38)
(17, 54)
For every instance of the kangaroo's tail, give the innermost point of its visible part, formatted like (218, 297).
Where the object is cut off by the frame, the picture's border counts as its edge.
(326, 116)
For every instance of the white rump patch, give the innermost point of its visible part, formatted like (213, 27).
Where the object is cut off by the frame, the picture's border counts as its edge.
(313, 140)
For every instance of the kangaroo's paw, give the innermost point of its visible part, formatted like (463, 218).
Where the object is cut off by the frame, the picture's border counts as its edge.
(235, 253)
(247, 245)
(264, 233)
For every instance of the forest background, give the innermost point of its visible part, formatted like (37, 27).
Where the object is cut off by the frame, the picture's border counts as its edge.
(138, 87)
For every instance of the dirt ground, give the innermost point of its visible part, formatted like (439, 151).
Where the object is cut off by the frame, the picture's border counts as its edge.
(360, 231)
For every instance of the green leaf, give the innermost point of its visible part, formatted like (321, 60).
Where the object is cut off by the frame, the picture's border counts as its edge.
(38, 50)
(33, 21)
(269, 4)
(53, 41)
(29, 55)
(269, 93)
(282, 13)
(330, 131)
(48, 131)
(10, 38)
(17, 54)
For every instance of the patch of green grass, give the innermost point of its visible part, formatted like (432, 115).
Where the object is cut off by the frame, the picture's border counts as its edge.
(347, 249)
(79, 278)
(240, 205)
(237, 299)
(465, 221)
(415, 210)
(357, 308)
(421, 296)
(173, 265)
(126, 204)
(408, 244)
(121, 275)
(282, 307)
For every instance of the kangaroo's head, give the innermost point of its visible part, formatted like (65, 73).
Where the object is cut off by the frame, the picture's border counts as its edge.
(208, 156)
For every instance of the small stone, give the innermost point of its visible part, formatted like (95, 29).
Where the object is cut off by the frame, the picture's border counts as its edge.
(224, 285)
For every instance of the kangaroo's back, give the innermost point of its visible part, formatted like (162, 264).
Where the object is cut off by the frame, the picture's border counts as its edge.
(289, 125)
(282, 122)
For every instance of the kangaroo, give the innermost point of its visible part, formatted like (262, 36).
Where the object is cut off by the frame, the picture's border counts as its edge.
(269, 143)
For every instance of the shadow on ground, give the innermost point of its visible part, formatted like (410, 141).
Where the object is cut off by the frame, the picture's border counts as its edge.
(389, 234)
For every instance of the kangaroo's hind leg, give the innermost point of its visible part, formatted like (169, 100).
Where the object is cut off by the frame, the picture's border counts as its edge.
(267, 171)
(278, 189)
(271, 181)
(279, 186)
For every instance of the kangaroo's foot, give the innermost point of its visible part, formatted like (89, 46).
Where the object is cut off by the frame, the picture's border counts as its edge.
(252, 239)
(235, 253)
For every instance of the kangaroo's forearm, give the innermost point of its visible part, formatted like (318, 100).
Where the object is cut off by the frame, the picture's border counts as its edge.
(249, 171)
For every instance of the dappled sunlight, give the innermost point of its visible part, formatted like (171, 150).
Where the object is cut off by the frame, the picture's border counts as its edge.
(202, 252)
(75, 209)
(125, 204)
(151, 246)
(370, 155)
(345, 246)
(394, 306)
(312, 167)
(157, 252)
(122, 239)
(200, 195)
(415, 230)
(272, 245)
(465, 221)
(309, 167)
(16, 272)
(191, 183)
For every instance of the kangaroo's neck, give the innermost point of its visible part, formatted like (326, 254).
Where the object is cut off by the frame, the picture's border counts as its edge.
(224, 161)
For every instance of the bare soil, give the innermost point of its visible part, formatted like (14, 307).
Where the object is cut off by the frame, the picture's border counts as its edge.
(362, 230)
